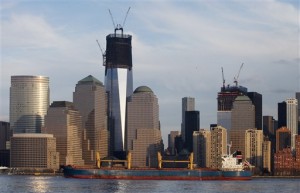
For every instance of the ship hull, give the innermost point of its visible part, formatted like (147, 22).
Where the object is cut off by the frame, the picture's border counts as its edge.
(155, 174)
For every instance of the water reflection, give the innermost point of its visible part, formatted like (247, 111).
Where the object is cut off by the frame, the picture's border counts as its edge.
(38, 184)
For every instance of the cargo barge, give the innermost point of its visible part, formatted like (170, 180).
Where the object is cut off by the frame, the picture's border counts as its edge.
(232, 169)
(155, 174)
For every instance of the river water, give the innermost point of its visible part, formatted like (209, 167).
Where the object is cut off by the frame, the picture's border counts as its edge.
(24, 184)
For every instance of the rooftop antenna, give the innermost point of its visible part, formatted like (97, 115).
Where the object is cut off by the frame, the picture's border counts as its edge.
(237, 76)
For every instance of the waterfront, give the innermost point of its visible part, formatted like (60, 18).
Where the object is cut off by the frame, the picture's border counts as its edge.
(23, 183)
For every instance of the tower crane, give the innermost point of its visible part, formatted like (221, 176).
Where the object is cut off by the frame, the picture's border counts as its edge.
(237, 76)
(118, 26)
(223, 78)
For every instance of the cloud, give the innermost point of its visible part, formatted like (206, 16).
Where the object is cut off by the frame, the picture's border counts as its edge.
(178, 50)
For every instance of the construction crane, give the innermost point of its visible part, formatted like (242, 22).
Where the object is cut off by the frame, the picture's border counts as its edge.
(223, 78)
(237, 76)
(118, 26)
(103, 54)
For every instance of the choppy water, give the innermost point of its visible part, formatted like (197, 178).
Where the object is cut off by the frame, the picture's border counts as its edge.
(25, 184)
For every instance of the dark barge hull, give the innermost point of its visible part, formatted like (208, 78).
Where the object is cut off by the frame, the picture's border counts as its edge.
(155, 174)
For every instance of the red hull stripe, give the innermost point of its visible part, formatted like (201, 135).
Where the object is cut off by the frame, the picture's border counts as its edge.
(158, 178)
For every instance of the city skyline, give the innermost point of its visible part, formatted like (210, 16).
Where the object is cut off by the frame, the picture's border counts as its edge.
(177, 52)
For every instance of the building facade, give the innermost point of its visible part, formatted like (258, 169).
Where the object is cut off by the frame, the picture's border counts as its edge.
(5, 134)
(171, 142)
(202, 148)
(143, 135)
(118, 85)
(256, 99)
(34, 150)
(90, 99)
(283, 138)
(267, 156)
(192, 123)
(29, 102)
(292, 119)
(282, 114)
(243, 118)
(65, 123)
(218, 146)
(253, 148)
(188, 104)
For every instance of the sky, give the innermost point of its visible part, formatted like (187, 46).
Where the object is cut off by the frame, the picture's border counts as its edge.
(178, 48)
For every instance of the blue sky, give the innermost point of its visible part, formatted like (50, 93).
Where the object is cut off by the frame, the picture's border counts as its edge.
(178, 48)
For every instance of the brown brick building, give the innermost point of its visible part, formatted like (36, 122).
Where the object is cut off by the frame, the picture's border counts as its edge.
(286, 162)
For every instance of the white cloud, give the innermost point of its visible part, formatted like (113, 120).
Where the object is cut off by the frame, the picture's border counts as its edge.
(178, 50)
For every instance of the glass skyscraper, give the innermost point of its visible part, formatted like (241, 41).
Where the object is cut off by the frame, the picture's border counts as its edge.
(188, 104)
(118, 85)
(29, 101)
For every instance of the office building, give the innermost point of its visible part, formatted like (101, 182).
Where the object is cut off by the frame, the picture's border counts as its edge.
(65, 123)
(119, 85)
(171, 142)
(253, 147)
(225, 99)
(243, 118)
(218, 146)
(5, 134)
(188, 104)
(298, 99)
(143, 135)
(267, 156)
(192, 123)
(292, 119)
(202, 148)
(283, 138)
(90, 99)
(34, 150)
(282, 114)
(256, 99)
(29, 101)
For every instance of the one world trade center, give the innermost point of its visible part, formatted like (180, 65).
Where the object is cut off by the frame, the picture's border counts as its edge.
(118, 84)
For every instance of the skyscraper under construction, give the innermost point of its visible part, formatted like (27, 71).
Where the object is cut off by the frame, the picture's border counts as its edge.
(118, 84)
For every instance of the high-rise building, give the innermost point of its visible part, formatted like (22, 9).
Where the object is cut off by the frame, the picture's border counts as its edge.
(90, 99)
(64, 122)
(267, 156)
(143, 135)
(269, 130)
(269, 126)
(118, 85)
(298, 98)
(283, 138)
(171, 142)
(5, 134)
(188, 104)
(282, 114)
(292, 119)
(253, 147)
(256, 99)
(29, 101)
(202, 147)
(243, 118)
(218, 146)
(226, 97)
(192, 123)
(34, 150)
